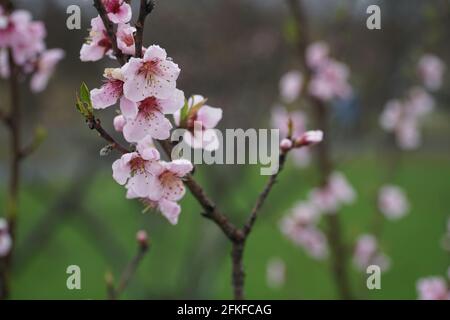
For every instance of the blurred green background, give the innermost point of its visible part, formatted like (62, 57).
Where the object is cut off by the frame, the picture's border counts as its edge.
(233, 52)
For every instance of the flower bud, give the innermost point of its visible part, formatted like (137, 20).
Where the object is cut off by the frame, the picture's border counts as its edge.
(285, 145)
(309, 138)
(142, 238)
(119, 123)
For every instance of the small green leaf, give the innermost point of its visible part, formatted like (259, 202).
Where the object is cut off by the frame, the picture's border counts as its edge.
(85, 95)
(184, 114)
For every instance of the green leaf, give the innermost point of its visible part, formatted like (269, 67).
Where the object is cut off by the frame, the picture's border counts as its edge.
(85, 95)
(184, 114)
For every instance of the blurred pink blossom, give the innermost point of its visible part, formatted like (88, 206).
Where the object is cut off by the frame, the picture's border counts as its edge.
(276, 273)
(5, 238)
(45, 67)
(431, 71)
(433, 288)
(392, 202)
(367, 253)
(291, 86)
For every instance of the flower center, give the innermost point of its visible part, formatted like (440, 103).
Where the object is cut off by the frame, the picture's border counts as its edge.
(137, 165)
(150, 69)
(148, 106)
(112, 6)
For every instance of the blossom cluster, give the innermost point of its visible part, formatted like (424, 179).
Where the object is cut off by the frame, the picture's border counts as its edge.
(403, 117)
(5, 238)
(392, 202)
(329, 79)
(367, 252)
(25, 39)
(301, 224)
(146, 91)
(433, 288)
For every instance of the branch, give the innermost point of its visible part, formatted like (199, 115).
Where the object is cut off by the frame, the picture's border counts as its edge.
(263, 196)
(209, 207)
(95, 124)
(109, 26)
(130, 270)
(145, 9)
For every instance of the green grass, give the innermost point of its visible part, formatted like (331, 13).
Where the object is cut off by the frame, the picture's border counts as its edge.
(191, 260)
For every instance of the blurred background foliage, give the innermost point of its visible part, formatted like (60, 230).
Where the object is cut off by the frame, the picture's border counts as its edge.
(233, 52)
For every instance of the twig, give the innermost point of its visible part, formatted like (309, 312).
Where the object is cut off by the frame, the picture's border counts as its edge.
(95, 124)
(145, 9)
(110, 31)
(263, 196)
(338, 250)
(127, 274)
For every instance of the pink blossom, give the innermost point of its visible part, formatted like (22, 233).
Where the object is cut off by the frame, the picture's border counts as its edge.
(125, 38)
(98, 43)
(290, 86)
(201, 120)
(367, 253)
(276, 273)
(433, 288)
(341, 188)
(324, 200)
(5, 238)
(408, 135)
(330, 81)
(169, 179)
(419, 102)
(137, 173)
(111, 91)
(337, 191)
(309, 138)
(119, 122)
(148, 117)
(153, 75)
(168, 188)
(317, 54)
(45, 67)
(392, 202)
(391, 115)
(431, 70)
(118, 10)
(300, 227)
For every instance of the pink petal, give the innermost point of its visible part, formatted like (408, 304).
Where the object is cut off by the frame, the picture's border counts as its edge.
(147, 149)
(209, 116)
(91, 52)
(170, 210)
(106, 96)
(172, 104)
(180, 167)
(128, 108)
(153, 124)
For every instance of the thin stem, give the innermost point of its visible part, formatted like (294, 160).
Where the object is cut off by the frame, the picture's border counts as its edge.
(263, 196)
(127, 274)
(145, 9)
(95, 124)
(334, 233)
